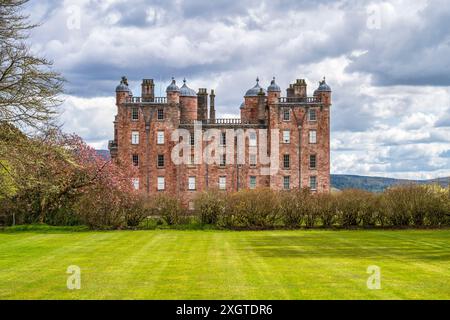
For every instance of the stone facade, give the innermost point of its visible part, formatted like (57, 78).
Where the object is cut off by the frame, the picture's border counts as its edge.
(144, 126)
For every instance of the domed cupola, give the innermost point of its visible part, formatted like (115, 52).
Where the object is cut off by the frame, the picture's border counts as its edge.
(323, 87)
(253, 92)
(173, 87)
(185, 91)
(273, 86)
(123, 86)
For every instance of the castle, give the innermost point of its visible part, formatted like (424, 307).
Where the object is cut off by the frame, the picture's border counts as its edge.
(293, 131)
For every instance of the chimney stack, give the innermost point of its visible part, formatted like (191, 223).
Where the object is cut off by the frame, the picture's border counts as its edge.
(148, 90)
(202, 104)
(212, 108)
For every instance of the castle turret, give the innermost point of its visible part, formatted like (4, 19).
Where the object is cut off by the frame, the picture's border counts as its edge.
(273, 92)
(123, 93)
(251, 112)
(202, 104)
(173, 92)
(148, 90)
(323, 92)
(188, 103)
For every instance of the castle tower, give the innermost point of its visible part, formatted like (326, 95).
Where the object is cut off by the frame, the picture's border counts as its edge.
(188, 103)
(252, 103)
(173, 93)
(148, 90)
(323, 92)
(123, 93)
(273, 92)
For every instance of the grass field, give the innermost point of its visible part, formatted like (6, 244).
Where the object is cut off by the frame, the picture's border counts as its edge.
(169, 264)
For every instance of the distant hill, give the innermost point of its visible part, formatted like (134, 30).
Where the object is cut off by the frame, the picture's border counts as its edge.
(104, 154)
(345, 181)
(376, 184)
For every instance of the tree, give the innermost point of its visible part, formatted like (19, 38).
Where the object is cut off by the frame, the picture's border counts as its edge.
(29, 89)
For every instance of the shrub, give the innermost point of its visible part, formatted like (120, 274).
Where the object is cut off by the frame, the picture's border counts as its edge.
(291, 215)
(168, 208)
(326, 209)
(252, 208)
(353, 207)
(210, 205)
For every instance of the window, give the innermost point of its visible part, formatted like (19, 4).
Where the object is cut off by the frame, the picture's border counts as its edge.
(192, 137)
(286, 114)
(312, 136)
(252, 160)
(286, 161)
(223, 160)
(134, 114)
(286, 136)
(160, 160)
(161, 183)
(191, 183)
(313, 161)
(160, 114)
(136, 183)
(134, 137)
(312, 115)
(313, 183)
(192, 159)
(135, 160)
(160, 137)
(286, 183)
(252, 139)
(223, 138)
(252, 182)
(222, 183)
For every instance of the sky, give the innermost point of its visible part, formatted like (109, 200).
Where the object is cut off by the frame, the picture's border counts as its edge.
(388, 64)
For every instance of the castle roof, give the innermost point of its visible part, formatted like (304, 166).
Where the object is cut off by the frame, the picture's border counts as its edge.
(173, 87)
(123, 86)
(273, 86)
(323, 86)
(185, 91)
(253, 92)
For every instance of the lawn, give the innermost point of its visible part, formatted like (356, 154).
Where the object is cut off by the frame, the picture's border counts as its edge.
(168, 264)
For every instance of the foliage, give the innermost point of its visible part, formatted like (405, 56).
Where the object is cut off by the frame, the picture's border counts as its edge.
(210, 205)
(257, 208)
(168, 208)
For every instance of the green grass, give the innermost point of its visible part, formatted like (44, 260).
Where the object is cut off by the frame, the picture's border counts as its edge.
(172, 264)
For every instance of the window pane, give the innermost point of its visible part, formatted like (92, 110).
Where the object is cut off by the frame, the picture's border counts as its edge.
(136, 183)
(135, 160)
(312, 161)
(135, 114)
(312, 136)
(161, 183)
(160, 114)
(191, 183)
(287, 182)
(160, 160)
(313, 183)
(286, 161)
(253, 160)
(286, 114)
(252, 139)
(286, 136)
(252, 182)
(223, 138)
(160, 137)
(223, 160)
(312, 115)
(134, 137)
(222, 183)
